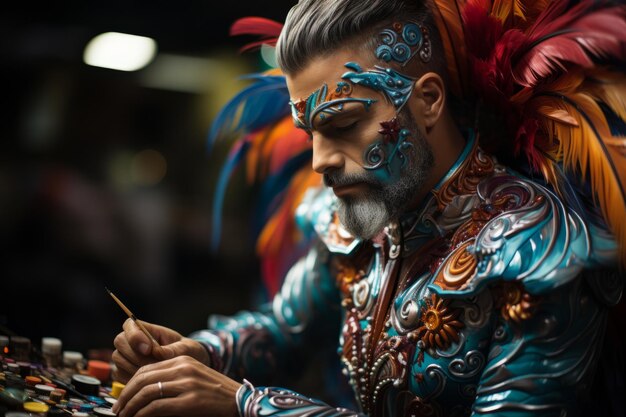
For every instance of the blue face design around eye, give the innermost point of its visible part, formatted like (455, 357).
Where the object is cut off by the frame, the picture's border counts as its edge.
(324, 103)
(402, 42)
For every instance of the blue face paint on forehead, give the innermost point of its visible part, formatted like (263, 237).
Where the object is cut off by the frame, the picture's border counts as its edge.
(402, 42)
(394, 85)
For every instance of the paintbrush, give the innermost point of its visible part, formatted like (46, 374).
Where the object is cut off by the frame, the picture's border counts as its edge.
(132, 317)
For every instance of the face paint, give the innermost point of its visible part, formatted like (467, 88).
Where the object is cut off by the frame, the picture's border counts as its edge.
(402, 42)
(325, 104)
(387, 157)
(395, 86)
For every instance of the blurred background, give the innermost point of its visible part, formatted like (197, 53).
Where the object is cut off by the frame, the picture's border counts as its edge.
(105, 175)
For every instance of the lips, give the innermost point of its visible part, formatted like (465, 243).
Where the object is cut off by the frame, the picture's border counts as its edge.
(344, 190)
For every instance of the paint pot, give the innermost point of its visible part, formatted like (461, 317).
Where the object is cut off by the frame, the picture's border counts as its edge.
(99, 369)
(35, 408)
(72, 359)
(43, 389)
(4, 345)
(57, 395)
(86, 385)
(32, 380)
(116, 389)
(51, 351)
(20, 348)
(25, 369)
(103, 412)
(110, 400)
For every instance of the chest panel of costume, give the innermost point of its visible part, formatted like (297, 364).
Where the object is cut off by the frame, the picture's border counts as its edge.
(405, 350)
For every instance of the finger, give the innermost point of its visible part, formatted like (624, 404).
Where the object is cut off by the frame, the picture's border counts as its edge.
(136, 338)
(164, 407)
(134, 357)
(121, 376)
(141, 399)
(146, 375)
(123, 364)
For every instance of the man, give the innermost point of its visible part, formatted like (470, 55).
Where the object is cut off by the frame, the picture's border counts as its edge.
(463, 286)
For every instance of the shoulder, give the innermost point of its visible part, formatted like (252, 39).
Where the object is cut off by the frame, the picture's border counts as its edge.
(519, 231)
(317, 217)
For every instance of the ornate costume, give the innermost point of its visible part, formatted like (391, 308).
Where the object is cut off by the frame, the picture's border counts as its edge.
(490, 298)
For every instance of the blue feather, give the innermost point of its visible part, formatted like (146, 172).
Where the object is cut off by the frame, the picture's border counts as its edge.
(264, 102)
(237, 153)
(271, 192)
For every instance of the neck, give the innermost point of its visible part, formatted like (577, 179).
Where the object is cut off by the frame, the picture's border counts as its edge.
(447, 143)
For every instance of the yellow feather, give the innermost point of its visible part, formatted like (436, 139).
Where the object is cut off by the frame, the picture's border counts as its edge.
(585, 153)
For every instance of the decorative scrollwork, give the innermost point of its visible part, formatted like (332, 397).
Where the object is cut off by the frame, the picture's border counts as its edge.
(402, 42)
(471, 365)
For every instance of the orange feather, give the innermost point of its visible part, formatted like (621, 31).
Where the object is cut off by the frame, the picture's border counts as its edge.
(447, 14)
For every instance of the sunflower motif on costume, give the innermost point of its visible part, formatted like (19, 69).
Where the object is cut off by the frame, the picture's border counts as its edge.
(440, 326)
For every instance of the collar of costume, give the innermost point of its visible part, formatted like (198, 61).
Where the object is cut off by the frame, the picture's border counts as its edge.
(450, 199)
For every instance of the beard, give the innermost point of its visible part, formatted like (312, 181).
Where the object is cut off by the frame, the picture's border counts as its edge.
(366, 215)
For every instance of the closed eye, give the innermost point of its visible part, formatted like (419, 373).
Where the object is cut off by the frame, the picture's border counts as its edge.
(346, 128)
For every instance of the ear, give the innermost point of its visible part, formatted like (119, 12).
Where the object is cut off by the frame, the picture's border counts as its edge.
(431, 93)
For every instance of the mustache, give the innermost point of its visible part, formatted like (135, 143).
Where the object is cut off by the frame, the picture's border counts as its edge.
(339, 179)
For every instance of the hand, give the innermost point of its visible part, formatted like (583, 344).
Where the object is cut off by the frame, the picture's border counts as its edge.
(133, 349)
(188, 388)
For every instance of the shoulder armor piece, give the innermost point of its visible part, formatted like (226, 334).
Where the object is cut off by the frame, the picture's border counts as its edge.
(317, 215)
(533, 239)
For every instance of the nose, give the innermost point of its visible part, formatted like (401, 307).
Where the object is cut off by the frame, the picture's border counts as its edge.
(326, 155)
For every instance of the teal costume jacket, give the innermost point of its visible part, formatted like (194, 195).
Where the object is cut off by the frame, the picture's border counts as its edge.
(489, 299)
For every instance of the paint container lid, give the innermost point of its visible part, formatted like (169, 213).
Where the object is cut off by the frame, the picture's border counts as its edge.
(87, 408)
(57, 395)
(13, 367)
(86, 385)
(110, 400)
(80, 414)
(35, 407)
(104, 412)
(4, 341)
(16, 414)
(43, 389)
(97, 400)
(116, 389)
(32, 380)
(71, 358)
(51, 345)
(99, 369)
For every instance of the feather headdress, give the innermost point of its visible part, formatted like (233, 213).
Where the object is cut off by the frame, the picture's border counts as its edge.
(275, 154)
(550, 71)
(553, 71)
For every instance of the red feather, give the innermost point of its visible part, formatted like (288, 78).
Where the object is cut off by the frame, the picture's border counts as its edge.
(268, 29)
(575, 38)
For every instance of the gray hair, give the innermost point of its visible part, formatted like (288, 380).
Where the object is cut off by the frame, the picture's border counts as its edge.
(315, 28)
